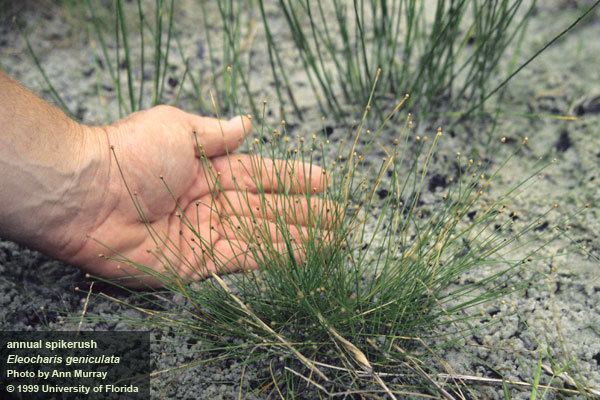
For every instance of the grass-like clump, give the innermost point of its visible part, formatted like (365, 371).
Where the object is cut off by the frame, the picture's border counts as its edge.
(445, 53)
(444, 56)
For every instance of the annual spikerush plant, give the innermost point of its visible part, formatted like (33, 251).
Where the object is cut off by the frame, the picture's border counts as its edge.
(340, 45)
(445, 53)
(114, 33)
(355, 305)
(135, 43)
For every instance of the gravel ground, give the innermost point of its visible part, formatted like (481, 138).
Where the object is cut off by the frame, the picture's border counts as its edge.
(559, 313)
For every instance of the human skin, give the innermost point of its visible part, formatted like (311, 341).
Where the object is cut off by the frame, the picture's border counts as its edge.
(67, 190)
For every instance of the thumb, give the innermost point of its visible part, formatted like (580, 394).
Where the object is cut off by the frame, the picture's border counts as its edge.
(217, 137)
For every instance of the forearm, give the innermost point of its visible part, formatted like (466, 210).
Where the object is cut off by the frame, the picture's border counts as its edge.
(41, 158)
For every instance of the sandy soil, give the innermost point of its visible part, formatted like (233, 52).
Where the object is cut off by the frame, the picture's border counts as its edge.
(558, 314)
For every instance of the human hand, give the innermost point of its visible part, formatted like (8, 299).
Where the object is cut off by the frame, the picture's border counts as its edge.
(182, 171)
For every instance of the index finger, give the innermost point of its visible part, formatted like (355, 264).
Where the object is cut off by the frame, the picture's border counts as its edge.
(258, 174)
(216, 137)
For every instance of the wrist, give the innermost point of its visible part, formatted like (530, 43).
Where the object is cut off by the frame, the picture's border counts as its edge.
(87, 199)
(49, 190)
(52, 169)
